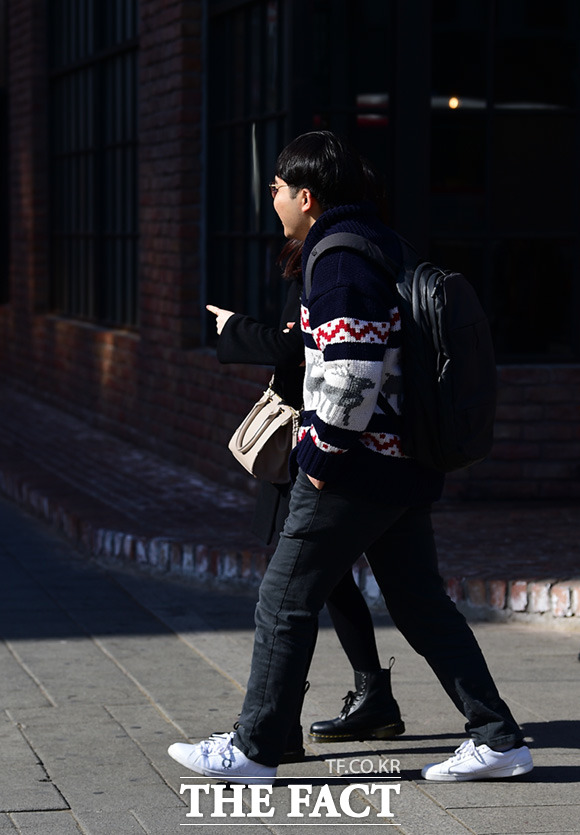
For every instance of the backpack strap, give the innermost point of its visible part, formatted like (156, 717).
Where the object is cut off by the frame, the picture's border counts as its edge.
(352, 242)
(370, 251)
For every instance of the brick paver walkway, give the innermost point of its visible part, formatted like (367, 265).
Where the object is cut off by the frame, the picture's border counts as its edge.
(118, 499)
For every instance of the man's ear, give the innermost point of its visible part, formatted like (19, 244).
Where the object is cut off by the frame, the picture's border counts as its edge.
(306, 199)
(309, 204)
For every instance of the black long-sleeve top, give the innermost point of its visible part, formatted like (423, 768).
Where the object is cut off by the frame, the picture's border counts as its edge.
(244, 340)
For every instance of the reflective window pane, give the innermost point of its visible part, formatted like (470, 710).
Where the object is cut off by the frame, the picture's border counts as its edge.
(533, 159)
(536, 53)
(245, 137)
(529, 320)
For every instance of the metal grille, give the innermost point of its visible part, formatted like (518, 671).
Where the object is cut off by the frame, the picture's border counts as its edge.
(246, 124)
(505, 172)
(93, 119)
(4, 165)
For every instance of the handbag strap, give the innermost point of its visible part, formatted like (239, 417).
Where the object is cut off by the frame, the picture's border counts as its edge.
(243, 444)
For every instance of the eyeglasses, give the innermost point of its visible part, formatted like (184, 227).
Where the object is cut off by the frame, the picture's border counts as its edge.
(274, 188)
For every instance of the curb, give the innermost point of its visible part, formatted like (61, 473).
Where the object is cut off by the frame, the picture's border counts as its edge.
(548, 603)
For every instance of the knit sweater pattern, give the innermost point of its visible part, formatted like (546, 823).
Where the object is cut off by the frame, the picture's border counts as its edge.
(351, 328)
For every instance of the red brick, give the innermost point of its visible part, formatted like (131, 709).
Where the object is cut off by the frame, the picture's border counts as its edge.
(507, 431)
(539, 594)
(551, 451)
(513, 489)
(175, 556)
(514, 450)
(188, 559)
(568, 490)
(141, 551)
(129, 548)
(476, 592)
(561, 600)
(550, 394)
(260, 565)
(551, 431)
(569, 375)
(523, 375)
(518, 596)
(246, 569)
(509, 394)
(575, 597)
(564, 412)
(538, 470)
(520, 412)
(158, 553)
(497, 594)
(455, 589)
(229, 566)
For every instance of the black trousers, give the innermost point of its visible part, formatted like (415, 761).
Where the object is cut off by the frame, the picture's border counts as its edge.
(346, 605)
(324, 534)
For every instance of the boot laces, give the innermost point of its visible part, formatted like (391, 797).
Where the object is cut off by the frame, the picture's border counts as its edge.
(348, 700)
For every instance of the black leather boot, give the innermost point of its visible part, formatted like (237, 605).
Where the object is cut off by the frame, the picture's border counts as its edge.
(370, 712)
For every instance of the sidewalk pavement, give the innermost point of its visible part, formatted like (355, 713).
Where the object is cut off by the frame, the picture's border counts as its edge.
(103, 666)
(501, 560)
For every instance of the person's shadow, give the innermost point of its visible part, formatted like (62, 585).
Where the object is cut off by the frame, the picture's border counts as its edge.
(539, 735)
(562, 733)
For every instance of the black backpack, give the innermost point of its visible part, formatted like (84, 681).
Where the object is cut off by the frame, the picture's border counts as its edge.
(449, 373)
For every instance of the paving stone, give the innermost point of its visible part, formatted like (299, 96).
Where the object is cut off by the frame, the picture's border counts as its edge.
(124, 822)
(47, 823)
(17, 688)
(74, 670)
(93, 761)
(528, 820)
(24, 784)
(155, 822)
(107, 682)
(535, 790)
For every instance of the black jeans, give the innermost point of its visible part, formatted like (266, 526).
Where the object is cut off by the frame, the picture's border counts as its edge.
(324, 534)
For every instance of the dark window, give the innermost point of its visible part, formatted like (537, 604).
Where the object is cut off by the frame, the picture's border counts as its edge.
(471, 111)
(348, 77)
(278, 68)
(4, 164)
(246, 132)
(505, 175)
(93, 118)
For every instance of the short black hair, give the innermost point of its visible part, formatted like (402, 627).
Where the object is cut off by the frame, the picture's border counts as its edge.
(323, 163)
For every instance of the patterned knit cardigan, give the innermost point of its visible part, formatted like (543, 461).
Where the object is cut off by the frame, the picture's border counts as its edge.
(352, 335)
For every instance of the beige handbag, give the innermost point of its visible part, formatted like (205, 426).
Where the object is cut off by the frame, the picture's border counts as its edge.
(262, 443)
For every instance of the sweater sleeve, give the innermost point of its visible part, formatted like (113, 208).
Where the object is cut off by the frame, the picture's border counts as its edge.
(348, 326)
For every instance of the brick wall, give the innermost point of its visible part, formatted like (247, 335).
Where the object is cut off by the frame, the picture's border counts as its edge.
(536, 453)
(28, 163)
(157, 386)
(170, 164)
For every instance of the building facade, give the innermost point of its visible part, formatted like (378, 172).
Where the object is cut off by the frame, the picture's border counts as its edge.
(138, 138)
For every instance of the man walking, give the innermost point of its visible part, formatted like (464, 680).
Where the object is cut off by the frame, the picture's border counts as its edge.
(355, 492)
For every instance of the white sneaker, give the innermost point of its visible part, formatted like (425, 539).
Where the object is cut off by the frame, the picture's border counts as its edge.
(479, 762)
(219, 757)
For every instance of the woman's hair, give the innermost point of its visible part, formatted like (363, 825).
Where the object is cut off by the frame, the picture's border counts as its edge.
(375, 190)
(323, 163)
(290, 259)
